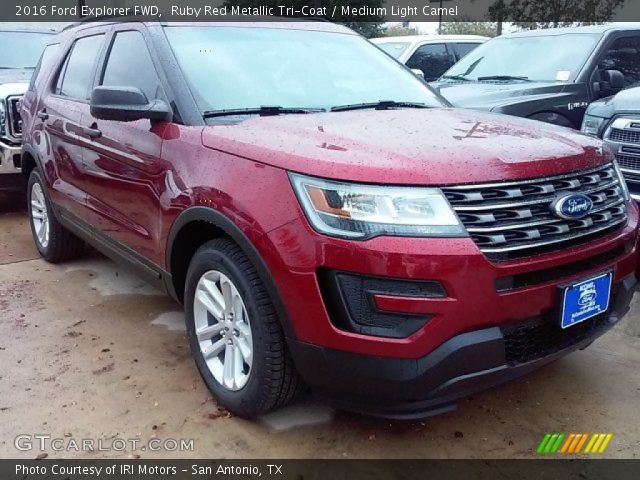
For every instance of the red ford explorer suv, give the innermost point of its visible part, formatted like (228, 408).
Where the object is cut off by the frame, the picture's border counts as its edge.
(324, 217)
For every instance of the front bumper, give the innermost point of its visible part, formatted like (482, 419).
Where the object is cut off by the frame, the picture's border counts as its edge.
(10, 177)
(479, 293)
(465, 364)
(474, 308)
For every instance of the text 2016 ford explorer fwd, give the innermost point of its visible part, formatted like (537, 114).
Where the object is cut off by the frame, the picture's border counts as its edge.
(325, 221)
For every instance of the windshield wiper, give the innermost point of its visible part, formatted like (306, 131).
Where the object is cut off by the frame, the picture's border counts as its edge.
(504, 77)
(381, 105)
(456, 77)
(262, 111)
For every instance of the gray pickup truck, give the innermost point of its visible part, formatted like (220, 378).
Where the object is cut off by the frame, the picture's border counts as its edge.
(20, 47)
(616, 120)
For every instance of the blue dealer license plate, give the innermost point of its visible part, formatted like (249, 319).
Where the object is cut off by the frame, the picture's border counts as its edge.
(586, 299)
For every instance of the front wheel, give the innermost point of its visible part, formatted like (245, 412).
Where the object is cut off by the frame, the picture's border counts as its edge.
(234, 332)
(54, 242)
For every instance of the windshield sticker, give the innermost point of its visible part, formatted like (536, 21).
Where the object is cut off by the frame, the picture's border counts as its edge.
(563, 75)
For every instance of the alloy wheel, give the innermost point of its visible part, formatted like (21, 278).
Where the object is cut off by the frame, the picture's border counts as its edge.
(39, 215)
(223, 330)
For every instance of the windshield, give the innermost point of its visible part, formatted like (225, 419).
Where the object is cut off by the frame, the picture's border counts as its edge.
(394, 49)
(555, 58)
(239, 67)
(31, 45)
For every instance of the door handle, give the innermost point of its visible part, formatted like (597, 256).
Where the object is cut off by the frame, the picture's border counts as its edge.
(91, 132)
(43, 115)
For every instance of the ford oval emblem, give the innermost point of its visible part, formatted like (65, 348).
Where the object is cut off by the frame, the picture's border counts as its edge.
(572, 206)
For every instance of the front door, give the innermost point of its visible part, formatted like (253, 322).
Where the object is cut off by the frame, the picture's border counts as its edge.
(61, 114)
(125, 174)
(621, 52)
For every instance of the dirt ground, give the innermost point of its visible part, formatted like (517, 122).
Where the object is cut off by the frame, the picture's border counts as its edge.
(88, 351)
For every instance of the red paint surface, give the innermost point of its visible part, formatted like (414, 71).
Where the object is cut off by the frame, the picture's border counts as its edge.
(135, 180)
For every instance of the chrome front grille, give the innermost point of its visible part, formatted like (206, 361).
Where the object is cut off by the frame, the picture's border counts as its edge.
(14, 123)
(628, 162)
(623, 138)
(515, 219)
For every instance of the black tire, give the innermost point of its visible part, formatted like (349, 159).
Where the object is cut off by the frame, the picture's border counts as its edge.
(273, 381)
(62, 245)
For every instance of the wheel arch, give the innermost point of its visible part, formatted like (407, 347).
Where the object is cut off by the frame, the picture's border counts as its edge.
(206, 224)
(28, 161)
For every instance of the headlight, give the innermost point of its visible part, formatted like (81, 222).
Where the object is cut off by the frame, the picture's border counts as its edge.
(592, 125)
(623, 182)
(360, 211)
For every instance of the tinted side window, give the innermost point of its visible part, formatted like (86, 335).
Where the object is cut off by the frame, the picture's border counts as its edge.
(44, 65)
(624, 55)
(433, 59)
(61, 75)
(130, 65)
(461, 49)
(77, 73)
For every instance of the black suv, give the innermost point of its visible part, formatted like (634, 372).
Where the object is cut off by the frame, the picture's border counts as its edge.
(550, 75)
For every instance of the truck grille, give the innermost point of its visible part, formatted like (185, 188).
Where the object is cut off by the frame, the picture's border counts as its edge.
(625, 136)
(628, 162)
(514, 219)
(14, 123)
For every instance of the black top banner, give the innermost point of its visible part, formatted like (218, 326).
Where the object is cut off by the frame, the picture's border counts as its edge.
(549, 12)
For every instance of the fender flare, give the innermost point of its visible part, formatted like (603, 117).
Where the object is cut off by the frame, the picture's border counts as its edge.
(32, 152)
(221, 221)
(29, 150)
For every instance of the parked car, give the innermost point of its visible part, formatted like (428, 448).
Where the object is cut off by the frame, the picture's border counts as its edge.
(431, 54)
(21, 47)
(549, 75)
(617, 120)
(394, 255)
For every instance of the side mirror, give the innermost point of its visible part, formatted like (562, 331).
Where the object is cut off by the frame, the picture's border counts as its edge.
(126, 104)
(612, 82)
(418, 73)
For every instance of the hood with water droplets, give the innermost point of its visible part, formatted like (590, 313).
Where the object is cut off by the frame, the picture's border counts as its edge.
(409, 146)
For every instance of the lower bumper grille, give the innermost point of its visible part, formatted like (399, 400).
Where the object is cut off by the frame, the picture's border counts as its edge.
(515, 219)
(537, 338)
(540, 336)
(349, 299)
(537, 277)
